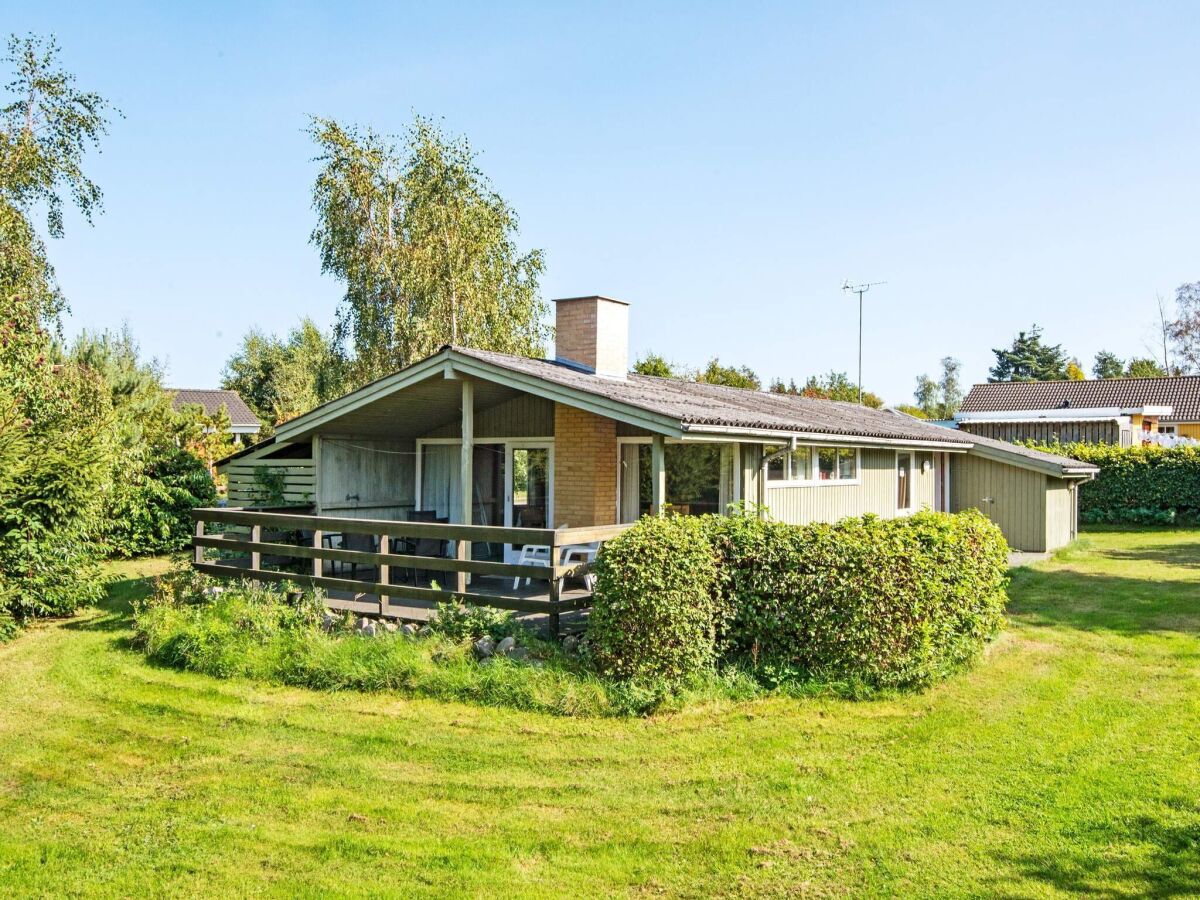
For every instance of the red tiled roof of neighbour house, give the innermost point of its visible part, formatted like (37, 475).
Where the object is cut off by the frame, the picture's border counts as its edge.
(1181, 392)
(240, 415)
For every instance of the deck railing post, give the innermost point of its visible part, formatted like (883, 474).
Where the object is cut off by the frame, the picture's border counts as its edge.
(197, 550)
(384, 573)
(552, 622)
(255, 556)
(317, 568)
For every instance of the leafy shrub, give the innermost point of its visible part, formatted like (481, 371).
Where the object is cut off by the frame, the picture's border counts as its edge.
(232, 629)
(870, 602)
(655, 614)
(884, 603)
(149, 509)
(459, 622)
(1143, 485)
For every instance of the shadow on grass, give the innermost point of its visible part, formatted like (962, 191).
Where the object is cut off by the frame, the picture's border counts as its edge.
(1099, 602)
(1182, 556)
(116, 607)
(1136, 857)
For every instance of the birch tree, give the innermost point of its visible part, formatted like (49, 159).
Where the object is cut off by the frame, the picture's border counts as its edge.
(425, 246)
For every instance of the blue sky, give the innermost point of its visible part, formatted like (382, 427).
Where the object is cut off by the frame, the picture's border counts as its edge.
(722, 168)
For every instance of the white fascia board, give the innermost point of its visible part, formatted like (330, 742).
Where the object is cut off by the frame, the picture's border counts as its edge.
(1064, 414)
(696, 433)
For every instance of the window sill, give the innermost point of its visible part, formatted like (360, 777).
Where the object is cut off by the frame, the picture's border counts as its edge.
(849, 482)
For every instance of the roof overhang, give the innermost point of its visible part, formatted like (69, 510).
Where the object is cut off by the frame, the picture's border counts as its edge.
(447, 363)
(1083, 471)
(766, 435)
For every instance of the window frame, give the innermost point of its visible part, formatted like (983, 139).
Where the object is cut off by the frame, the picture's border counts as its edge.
(813, 479)
(912, 472)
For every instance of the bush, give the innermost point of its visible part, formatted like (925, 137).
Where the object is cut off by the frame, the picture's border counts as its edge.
(1143, 485)
(149, 509)
(882, 603)
(233, 629)
(655, 614)
(868, 602)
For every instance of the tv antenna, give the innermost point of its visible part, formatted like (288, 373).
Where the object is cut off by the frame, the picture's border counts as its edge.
(860, 289)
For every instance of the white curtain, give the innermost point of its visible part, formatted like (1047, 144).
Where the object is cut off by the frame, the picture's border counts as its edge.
(441, 484)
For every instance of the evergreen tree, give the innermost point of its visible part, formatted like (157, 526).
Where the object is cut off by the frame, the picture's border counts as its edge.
(1029, 359)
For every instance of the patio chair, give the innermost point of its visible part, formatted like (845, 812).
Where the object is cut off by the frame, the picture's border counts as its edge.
(366, 543)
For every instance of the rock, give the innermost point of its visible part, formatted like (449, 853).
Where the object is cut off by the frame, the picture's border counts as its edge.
(570, 643)
(425, 632)
(506, 646)
(391, 627)
(409, 629)
(518, 653)
(330, 622)
(487, 660)
(484, 648)
(367, 628)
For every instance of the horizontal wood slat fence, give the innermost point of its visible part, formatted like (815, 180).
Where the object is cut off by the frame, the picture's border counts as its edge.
(243, 534)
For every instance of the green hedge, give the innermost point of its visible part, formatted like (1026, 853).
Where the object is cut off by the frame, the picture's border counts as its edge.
(656, 615)
(882, 603)
(1139, 484)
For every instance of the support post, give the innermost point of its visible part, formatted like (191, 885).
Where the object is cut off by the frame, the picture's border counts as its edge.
(466, 475)
(552, 623)
(658, 474)
(197, 550)
(316, 563)
(384, 572)
(255, 556)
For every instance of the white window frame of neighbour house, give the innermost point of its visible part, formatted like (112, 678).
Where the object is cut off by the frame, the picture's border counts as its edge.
(912, 477)
(811, 454)
(1166, 429)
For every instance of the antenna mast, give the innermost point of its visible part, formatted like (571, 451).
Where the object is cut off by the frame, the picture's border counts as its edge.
(860, 289)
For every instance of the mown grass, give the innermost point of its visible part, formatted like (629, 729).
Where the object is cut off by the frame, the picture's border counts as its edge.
(1067, 762)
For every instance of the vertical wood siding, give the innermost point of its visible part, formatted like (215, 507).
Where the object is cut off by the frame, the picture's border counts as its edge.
(1046, 432)
(522, 416)
(1013, 498)
(874, 493)
(1060, 513)
(366, 478)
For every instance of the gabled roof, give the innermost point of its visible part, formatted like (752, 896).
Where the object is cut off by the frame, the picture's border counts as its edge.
(240, 415)
(1181, 392)
(702, 407)
(672, 406)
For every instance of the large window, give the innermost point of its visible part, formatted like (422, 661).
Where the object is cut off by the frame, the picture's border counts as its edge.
(812, 465)
(694, 475)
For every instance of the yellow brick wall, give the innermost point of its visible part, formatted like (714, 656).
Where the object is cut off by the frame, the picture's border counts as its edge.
(594, 332)
(585, 468)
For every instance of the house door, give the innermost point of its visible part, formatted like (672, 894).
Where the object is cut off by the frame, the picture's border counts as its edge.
(529, 489)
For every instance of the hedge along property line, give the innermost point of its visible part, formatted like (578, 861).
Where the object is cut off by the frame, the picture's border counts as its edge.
(1139, 484)
(881, 603)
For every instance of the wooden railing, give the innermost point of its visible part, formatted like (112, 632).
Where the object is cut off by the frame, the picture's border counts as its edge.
(306, 533)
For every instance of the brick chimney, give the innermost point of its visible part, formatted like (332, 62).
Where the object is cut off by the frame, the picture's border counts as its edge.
(593, 333)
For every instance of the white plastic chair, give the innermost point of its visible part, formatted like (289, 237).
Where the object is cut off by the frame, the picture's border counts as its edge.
(532, 555)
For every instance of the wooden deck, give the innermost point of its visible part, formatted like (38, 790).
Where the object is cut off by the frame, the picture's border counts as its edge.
(377, 584)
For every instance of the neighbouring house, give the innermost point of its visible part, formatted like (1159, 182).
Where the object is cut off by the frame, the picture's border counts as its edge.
(1120, 411)
(243, 423)
(482, 438)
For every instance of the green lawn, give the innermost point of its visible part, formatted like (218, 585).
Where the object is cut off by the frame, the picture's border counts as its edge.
(1068, 761)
